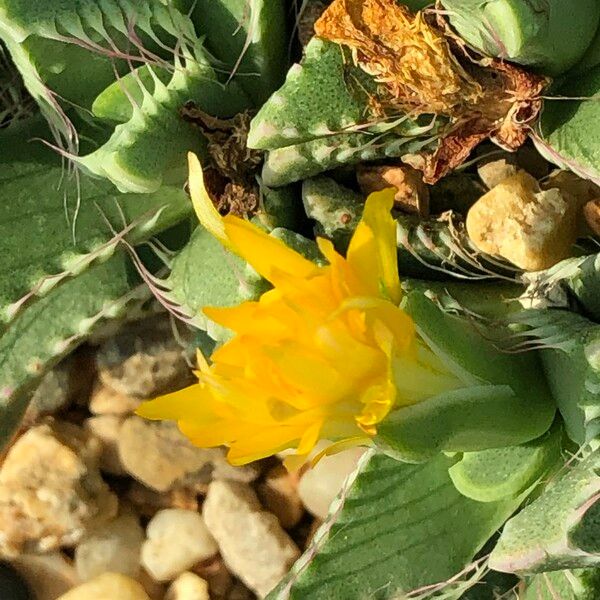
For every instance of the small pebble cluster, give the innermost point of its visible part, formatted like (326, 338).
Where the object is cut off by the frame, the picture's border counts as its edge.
(97, 503)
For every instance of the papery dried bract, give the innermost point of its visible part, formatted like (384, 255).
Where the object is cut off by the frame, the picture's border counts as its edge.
(403, 52)
(422, 69)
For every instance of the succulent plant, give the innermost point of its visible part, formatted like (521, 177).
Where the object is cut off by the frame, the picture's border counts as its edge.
(100, 102)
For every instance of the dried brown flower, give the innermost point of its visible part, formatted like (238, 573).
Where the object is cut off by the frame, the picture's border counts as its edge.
(421, 69)
(402, 51)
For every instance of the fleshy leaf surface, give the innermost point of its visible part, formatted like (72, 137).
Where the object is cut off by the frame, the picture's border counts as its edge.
(568, 128)
(396, 528)
(534, 33)
(48, 234)
(314, 101)
(249, 38)
(204, 274)
(150, 148)
(55, 325)
(560, 529)
(577, 584)
(490, 475)
(300, 161)
(504, 401)
(570, 346)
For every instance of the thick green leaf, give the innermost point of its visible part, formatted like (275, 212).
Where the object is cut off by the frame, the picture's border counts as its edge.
(548, 35)
(504, 401)
(59, 67)
(472, 355)
(151, 147)
(574, 279)
(591, 58)
(117, 100)
(51, 70)
(568, 129)
(396, 528)
(205, 274)
(19, 18)
(252, 34)
(281, 207)
(492, 301)
(335, 209)
(320, 119)
(570, 346)
(67, 52)
(300, 161)
(579, 584)
(427, 248)
(48, 234)
(314, 101)
(439, 248)
(491, 475)
(46, 331)
(558, 530)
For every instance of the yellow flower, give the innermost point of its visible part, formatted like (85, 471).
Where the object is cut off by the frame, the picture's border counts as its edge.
(325, 354)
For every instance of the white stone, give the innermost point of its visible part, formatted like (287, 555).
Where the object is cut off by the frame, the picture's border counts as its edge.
(159, 456)
(532, 228)
(106, 401)
(188, 586)
(252, 542)
(321, 484)
(106, 429)
(114, 548)
(51, 491)
(109, 586)
(176, 540)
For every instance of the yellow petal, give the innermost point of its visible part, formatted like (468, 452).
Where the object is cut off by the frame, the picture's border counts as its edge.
(235, 318)
(265, 253)
(215, 434)
(254, 318)
(306, 371)
(340, 446)
(202, 362)
(327, 249)
(249, 242)
(372, 252)
(343, 280)
(395, 319)
(264, 443)
(224, 432)
(310, 438)
(294, 462)
(173, 406)
(207, 214)
(335, 343)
